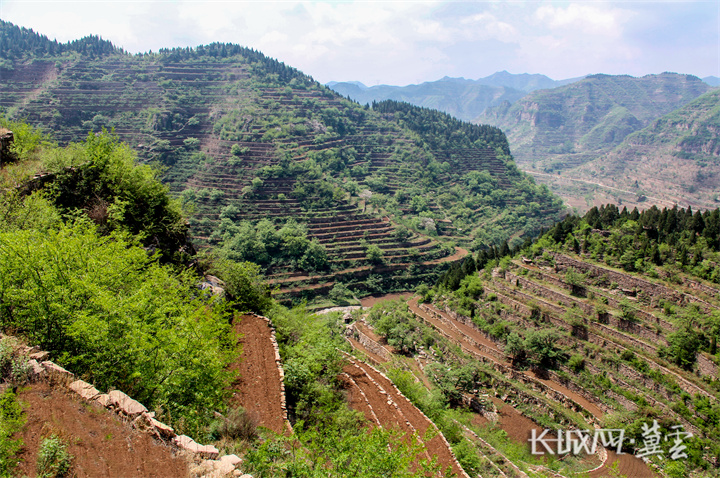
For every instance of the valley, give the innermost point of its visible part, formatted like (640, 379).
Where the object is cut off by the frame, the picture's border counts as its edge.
(213, 266)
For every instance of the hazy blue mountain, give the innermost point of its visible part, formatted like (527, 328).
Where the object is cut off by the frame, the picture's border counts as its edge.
(567, 126)
(712, 80)
(524, 81)
(465, 99)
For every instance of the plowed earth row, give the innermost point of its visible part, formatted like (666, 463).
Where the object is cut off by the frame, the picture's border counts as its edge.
(258, 386)
(390, 409)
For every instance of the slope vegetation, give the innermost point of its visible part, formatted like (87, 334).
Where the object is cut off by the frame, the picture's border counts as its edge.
(616, 311)
(243, 137)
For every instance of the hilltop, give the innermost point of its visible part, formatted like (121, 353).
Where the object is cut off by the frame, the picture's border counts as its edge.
(367, 192)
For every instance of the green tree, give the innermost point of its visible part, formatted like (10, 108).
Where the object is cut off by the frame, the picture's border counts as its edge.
(374, 254)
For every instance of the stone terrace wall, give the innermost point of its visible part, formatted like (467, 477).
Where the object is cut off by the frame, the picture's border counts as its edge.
(281, 372)
(369, 343)
(130, 411)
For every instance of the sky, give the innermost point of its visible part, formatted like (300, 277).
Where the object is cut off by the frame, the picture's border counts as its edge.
(408, 42)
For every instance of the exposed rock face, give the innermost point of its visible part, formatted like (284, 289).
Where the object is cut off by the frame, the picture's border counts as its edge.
(6, 139)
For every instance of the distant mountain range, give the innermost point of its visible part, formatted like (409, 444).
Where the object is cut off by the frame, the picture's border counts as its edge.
(465, 99)
(652, 138)
(677, 157)
(567, 126)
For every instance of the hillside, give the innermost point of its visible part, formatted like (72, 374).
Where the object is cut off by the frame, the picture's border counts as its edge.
(609, 320)
(559, 129)
(614, 316)
(676, 158)
(368, 193)
(459, 97)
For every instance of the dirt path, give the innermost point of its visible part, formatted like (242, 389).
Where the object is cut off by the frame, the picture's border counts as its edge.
(257, 389)
(101, 444)
(577, 180)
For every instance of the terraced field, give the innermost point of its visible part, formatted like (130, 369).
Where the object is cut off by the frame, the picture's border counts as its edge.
(232, 128)
(620, 324)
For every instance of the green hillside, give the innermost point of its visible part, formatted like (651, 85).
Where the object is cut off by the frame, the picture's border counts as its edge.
(559, 129)
(617, 312)
(264, 155)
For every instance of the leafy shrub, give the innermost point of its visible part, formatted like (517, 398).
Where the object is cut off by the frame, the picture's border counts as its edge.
(54, 460)
(106, 170)
(239, 424)
(103, 308)
(374, 254)
(576, 363)
(11, 420)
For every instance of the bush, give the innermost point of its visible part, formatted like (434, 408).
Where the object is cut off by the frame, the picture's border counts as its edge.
(106, 310)
(11, 421)
(576, 363)
(374, 254)
(239, 424)
(54, 460)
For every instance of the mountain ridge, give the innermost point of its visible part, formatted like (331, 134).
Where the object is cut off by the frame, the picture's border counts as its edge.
(463, 98)
(245, 139)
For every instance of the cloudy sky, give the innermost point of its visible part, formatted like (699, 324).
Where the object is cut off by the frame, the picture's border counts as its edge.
(404, 42)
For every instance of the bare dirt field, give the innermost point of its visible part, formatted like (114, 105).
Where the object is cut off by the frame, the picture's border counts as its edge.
(381, 396)
(257, 389)
(101, 444)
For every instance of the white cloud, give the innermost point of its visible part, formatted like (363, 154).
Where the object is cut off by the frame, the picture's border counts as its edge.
(589, 19)
(401, 42)
(487, 26)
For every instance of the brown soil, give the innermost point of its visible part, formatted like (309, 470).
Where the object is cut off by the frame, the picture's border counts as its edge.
(627, 465)
(101, 444)
(371, 300)
(257, 389)
(408, 419)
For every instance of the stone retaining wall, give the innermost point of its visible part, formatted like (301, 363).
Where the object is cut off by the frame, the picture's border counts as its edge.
(131, 411)
(370, 344)
(624, 325)
(625, 281)
(684, 384)
(612, 301)
(534, 384)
